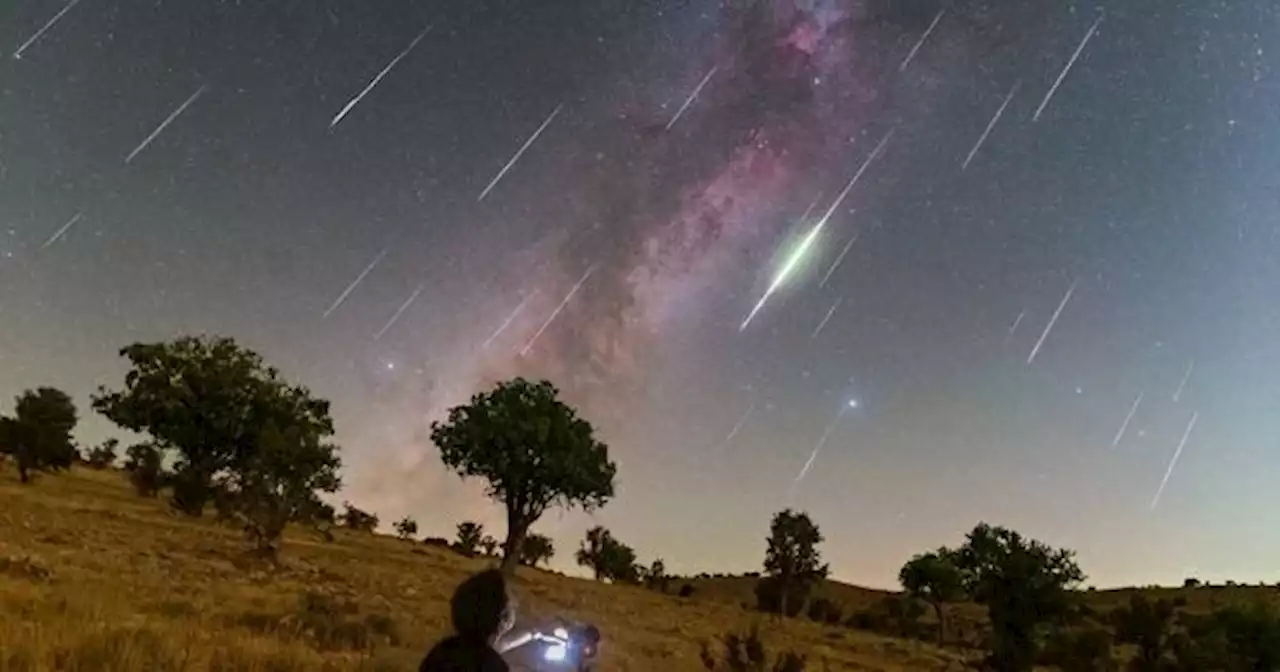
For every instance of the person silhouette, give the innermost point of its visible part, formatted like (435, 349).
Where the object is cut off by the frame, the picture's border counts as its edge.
(482, 611)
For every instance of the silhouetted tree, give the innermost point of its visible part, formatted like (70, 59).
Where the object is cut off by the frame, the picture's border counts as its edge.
(406, 528)
(489, 546)
(792, 559)
(469, 537)
(1191, 582)
(103, 455)
(353, 518)
(536, 549)
(278, 482)
(210, 400)
(825, 610)
(38, 436)
(1023, 583)
(1078, 650)
(607, 557)
(532, 450)
(655, 577)
(934, 578)
(145, 464)
(1147, 624)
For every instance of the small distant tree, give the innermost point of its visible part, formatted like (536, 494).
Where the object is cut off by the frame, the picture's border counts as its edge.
(934, 578)
(533, 451)
(1147, 624)
(280, 482)
(406, 528)
(1024, 584)
(607, 557)
(489, 546)
(103, 455)
(470, 535)
(145, 464)
(353, 518)
(792, 561)
(1191, 582)
(536, 549)
(655, 577)
(38, 436)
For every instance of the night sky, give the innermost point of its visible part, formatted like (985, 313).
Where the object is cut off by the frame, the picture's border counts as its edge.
(1144, 194)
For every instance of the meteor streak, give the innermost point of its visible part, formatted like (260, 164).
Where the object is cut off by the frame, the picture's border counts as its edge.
(378, 78)
(354, 283)
(506, 323)
(395, 318)
(920, 43)
(689, 101)
(165, 124)
(991, 126)
(1174, 462)
(1128, 418)
(45, 28)
(802, 250)
(1063, 75)
(520, 152)
(554, 313)
(1052, 321)
(57, 235)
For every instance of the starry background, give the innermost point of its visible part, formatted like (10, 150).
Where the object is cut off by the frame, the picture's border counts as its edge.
(1148, 181)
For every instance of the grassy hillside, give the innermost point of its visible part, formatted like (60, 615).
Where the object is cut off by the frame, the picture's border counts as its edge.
(94, 578)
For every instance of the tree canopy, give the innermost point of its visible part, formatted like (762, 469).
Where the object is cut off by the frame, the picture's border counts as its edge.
(1023, 583)
(934, 578)
(536, 549)
(210, 400)
(607, 557)
(38, 436)
(533, 451)
(792, 560)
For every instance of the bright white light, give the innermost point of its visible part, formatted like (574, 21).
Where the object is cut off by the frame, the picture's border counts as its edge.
(853, 403)
(555, 652)
(561, 633)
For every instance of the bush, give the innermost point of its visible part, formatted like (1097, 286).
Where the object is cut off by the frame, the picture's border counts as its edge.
(355, 519)
(1191, 582)
(824, 610)
(746, 653)
(769, 596)
(686, 590)
(1078, 650)
(143, 463)
(102, 456)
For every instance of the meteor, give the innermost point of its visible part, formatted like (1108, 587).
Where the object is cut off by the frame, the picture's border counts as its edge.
(802, 250)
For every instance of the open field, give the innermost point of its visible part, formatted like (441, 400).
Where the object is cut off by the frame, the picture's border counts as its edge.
(93, 577)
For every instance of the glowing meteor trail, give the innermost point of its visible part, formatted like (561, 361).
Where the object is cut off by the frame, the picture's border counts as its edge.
(165, 124)
(1067, 69)
(839, 258)
(378, 78)
(1052, 321)
(354, 283)
(827, 319)
(1185, 378)
(689, 101)
(920, 43)
(795, 257)
(991, 126)
(45, 28)
(1174, 462)
(1014, 327)
(737, 427)
(556, 312)
(395, 318)
(817, 448)
(57, 235)
(1124, 427)
(498, 178)
(506, 323)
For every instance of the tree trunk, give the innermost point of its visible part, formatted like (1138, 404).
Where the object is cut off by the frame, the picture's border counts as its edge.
(782, 598)
(942, 622)
(22, 472)
(511, 548)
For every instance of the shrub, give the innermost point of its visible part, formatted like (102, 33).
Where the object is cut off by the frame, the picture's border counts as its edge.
(686, 590)
(746, 653)
(1078, 650)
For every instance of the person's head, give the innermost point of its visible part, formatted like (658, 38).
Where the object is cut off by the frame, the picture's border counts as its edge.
(481, 607)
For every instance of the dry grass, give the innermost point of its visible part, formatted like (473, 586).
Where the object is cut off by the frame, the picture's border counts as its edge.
(95, 578)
